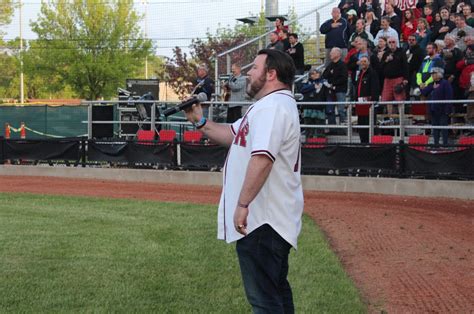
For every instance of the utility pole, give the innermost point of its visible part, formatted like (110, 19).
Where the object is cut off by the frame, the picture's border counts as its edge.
(145, 2)
(22, 89)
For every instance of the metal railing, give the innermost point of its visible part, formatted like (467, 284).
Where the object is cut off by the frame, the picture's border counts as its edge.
(349, 127)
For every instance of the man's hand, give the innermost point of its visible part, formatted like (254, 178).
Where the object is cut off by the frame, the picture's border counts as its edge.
(240, 220)
(194, 113)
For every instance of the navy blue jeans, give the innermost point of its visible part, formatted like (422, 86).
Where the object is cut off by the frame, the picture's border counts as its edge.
(263, 258)
(441, 120)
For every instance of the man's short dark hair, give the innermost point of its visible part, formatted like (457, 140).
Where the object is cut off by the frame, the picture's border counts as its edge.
(293, 35)
(282, 63)
(434, 45)
(460, 15)
(386, 18)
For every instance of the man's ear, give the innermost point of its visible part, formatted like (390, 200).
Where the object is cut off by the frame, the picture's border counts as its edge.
(271, 75)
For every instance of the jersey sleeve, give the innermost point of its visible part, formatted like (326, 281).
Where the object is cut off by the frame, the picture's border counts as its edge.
(268, 127)
(234, 127)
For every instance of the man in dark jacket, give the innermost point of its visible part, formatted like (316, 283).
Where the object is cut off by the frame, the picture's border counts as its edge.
(367, 89)
(443, 27)
(336, 76)
(337, 34)
(451, 56)
(415, 57)
(395, 71)
(439, 89)
(296, 52)
(204, 84)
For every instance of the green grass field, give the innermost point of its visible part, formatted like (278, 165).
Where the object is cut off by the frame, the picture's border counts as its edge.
(77, 254)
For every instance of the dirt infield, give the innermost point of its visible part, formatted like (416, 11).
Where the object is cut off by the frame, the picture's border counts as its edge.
(405, 254)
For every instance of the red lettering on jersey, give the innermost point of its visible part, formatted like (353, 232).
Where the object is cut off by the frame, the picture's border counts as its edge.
(240, 138)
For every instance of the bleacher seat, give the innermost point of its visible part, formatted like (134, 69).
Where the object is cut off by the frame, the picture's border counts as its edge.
(418, 140)
(144, 137)
(382, 139)
(193, 137)
(167, 135)
(466, 140)
(316, 142)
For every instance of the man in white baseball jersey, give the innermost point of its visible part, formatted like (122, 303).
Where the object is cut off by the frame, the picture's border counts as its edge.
(262, 197)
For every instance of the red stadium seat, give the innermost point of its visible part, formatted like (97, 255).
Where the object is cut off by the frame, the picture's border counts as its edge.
(167, 135)
(145, 137)
(466, 140)
(316, 142)
(382, 139)
(418, 140)
(192, 137)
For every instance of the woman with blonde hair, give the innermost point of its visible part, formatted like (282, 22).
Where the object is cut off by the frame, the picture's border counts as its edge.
(423, 33)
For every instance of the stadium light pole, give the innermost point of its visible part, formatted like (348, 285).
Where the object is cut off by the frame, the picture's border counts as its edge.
(22, 89)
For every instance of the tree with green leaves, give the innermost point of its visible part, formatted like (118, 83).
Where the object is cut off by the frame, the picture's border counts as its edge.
(90, 45)
(6, 12)
(181, 68)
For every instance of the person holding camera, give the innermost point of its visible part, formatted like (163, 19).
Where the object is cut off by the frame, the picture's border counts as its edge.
(462, 30)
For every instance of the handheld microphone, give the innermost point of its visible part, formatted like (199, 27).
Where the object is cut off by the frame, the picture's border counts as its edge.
(185, 104)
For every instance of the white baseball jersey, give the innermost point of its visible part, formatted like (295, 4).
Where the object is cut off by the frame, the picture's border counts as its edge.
(270, 127)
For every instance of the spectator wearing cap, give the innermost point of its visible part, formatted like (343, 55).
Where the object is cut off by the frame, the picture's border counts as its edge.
(395, 71)
(443, 27)
(351, 21)
(462, 30)
(439, 89)
(367, 89)
(337, 34)
(432, 60)
(361, 32)
(275, 42)
(296, 52)
(387, 31)
(314, 90)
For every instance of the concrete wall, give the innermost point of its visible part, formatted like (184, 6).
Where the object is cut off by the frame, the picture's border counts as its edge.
(408, 187)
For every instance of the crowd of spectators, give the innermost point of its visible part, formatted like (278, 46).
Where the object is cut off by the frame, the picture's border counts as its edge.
(376, 53)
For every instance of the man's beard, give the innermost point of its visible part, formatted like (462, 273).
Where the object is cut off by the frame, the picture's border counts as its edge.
(256, 86)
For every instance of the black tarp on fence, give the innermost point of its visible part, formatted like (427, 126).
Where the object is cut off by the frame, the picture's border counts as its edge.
(63, 149)
(395, 160)
(321, 160)
(132, 152)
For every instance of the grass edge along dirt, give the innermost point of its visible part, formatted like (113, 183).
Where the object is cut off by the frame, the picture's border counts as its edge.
(69, 254)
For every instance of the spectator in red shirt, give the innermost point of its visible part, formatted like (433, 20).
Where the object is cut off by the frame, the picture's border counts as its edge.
(409, 24)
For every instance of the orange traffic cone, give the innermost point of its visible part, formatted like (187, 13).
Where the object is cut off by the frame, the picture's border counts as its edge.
(22, 131)
(7, 131)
